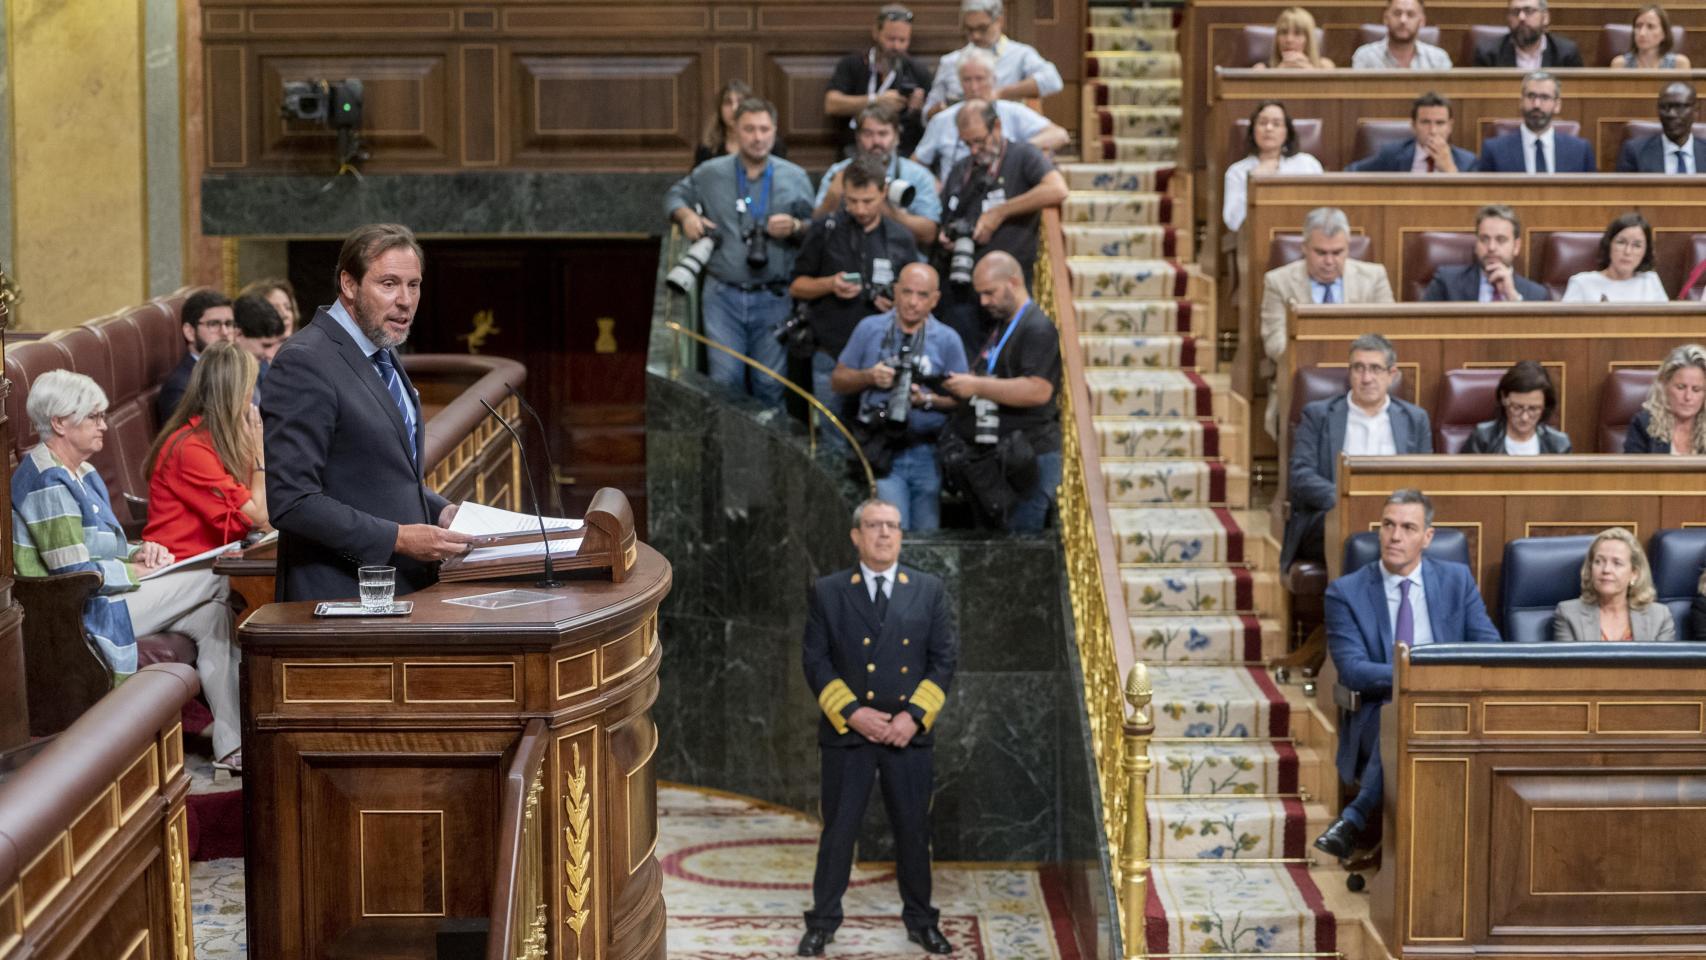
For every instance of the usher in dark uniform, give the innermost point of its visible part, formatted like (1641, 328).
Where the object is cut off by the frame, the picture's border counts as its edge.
(894, 656)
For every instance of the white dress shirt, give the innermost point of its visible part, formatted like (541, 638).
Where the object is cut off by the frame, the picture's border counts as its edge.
(1547, 138)
(1523, 448)
(1236, 192)
(1014, 61)
(1369, 435)
(941, 147)
(1376, 56)
(1424, 632)
(1685, 150)
(1591, 286)
(871, 580)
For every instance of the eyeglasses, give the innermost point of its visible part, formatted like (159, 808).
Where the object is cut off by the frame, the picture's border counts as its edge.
(1518, 13)
(879, 524)
(1531, 96)
(217, 324)
(1635, 244)
(1363, 369)
(98, 417)
(1524, 409)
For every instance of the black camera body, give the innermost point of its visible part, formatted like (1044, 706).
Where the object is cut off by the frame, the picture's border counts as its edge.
(757, 247)
(332, 104)
(963, 254)
(911, 367)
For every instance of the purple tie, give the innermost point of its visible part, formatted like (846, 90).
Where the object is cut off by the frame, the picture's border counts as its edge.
(1405, 631)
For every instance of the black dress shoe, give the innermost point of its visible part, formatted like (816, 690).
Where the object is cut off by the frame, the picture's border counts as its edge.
(811, 945)
(930, 939)
(1338, 839)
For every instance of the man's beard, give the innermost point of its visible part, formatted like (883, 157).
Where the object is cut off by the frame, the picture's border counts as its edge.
(884, 157)
(1525, 35)
(374, 328)
(1536, 120)
(885, 61)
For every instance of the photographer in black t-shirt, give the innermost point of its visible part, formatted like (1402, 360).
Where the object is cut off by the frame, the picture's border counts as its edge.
(846, 270)
(884, 73)
(1008, 455)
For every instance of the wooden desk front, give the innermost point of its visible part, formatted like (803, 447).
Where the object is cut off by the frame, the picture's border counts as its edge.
(1387, 208)
(1579, 344)
(1543, 809)
(375, 750)
(1494, 499)
(1213, 28)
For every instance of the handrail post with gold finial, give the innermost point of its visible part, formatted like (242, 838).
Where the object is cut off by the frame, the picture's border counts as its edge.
(1134, 850)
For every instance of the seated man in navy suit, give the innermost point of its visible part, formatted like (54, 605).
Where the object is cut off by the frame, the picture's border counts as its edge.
(1429, 151)
(1528, 44)
(1402, 598)
(1538, 147)
(1365, 421)
(1675, 149)
(1492, 277)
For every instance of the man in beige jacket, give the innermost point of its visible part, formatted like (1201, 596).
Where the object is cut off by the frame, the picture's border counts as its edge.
(1326, 274)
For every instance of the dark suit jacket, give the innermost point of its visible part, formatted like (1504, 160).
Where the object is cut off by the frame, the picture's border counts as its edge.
(1359, 636)
(1559, 52)
(1503, 154)
(1314, 465)
(1399, 157)
(173, 390)
(1462, 282)
(904, 663)
(1697, 618)
(1638, 440)
(1647, 155)
(1489, 437)
(340, 478)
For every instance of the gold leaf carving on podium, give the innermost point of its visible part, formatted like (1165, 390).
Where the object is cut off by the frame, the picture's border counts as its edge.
(176, 845)
(577, 805)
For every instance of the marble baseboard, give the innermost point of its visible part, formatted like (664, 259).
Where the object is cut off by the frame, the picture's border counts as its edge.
(505, 203)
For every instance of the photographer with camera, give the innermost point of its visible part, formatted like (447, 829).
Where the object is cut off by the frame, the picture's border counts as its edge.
(942, 147)
(846, 271)
(883, 74)
(994, 202)
(895, 362)
(909, 190)
(742, 213)
(1003, 448)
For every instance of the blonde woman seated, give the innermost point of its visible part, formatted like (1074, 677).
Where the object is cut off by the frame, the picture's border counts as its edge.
(1625, 273)
(1617, 596)
(1294, 43)
(1670, 420)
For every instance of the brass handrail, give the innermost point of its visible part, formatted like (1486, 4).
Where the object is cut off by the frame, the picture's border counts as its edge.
(519, 919)
(806, 395)
(1101, 625)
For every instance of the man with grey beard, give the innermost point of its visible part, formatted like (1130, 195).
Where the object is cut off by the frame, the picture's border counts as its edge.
(345, 434)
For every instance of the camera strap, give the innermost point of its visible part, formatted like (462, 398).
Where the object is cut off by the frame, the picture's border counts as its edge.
(995, 351)
(871, 69)
(759, 207)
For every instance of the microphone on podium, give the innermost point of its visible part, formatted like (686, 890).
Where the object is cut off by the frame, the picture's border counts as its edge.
(550, 574)
(545, 438)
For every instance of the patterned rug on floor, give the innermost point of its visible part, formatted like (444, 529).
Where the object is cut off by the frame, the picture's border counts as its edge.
(737, 878)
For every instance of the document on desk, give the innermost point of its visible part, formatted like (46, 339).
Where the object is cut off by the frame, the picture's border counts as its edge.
(479, 520)
(216, 551)
(522, 551)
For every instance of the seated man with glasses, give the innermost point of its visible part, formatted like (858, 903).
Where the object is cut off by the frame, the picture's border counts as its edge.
(1365, 421)
(208, 318)
(1538, 146)
(1528, 44)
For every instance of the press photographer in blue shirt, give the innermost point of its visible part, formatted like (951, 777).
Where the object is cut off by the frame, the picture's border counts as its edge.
(895, 361)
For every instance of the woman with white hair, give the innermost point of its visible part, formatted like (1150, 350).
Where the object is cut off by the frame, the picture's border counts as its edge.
(1617, 596)
(63, 522)
(1670, 421)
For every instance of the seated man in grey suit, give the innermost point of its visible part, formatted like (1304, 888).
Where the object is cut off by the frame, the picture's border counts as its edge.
(1492, 277)
(1326, 274)
(1366, 421)
(1429, 151)
(1675, 149)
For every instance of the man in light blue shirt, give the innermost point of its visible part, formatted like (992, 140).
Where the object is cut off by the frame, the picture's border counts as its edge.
(1020, 71)
(941, 147)
(879, 136)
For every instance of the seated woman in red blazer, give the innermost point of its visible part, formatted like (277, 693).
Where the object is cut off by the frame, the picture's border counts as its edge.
(209, 468)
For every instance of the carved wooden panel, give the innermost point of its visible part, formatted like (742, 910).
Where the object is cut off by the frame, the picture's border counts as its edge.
(566, 101)
(477, 108)
(403, 112)
(798, 82)
(227, 106)
(1438, 853)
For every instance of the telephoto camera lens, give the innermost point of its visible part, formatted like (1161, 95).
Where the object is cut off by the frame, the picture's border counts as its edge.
(684, 276)
(900, 193)
(964, 259)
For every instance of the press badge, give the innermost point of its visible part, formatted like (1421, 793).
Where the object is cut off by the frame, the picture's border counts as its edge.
(993, 199)
(882, 271)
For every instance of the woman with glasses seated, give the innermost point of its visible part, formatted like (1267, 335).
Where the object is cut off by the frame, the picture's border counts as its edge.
(1617, 596)
(63, 522)
(1625, 273)
(1526, 400)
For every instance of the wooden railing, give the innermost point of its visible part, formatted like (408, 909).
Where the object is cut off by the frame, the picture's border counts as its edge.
(519, 914)
(1100, 624)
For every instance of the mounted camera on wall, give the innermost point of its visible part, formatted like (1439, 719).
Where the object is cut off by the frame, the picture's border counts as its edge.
(336, 105)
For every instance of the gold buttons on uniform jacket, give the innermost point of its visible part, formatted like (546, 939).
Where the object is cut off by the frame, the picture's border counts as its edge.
(870, 668)
(903, 698)
(867, 641)
(902, 669)
(905, 642)
(870, 695)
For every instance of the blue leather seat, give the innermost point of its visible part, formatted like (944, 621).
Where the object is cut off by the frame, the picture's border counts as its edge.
(1676, 557)
(1539, 573)
(1362, 549)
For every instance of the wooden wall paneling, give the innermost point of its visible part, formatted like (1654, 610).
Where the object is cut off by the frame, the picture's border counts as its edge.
(567, 99)
(227, 106)
(478, 107)
(406, 94)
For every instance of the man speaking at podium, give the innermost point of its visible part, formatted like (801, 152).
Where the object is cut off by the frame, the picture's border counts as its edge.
(880, 651)
(344, 434)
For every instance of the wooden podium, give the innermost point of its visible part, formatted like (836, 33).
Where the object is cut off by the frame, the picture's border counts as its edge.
(376, 755)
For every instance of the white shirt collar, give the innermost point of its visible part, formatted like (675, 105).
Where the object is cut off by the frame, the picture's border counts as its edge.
(1528, 138)
(1356, 411)
(872, 575)
(337, 312)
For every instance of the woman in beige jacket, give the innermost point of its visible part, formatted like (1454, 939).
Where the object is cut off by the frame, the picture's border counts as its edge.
(1617, 596)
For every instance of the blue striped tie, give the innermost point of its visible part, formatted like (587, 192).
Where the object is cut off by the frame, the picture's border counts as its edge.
(394, 384)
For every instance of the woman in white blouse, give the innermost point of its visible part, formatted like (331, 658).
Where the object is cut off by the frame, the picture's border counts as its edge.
(1270, 146)
(1625, 273)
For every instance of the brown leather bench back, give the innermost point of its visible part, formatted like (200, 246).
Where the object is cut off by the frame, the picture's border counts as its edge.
(129, 354)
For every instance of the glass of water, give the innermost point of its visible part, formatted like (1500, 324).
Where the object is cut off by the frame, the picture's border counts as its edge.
(377, 586)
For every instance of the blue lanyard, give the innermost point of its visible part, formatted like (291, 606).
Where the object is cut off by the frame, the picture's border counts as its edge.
(1011, 326)
(755, 209)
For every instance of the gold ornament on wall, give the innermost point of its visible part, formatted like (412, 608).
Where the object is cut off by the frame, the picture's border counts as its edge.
(485, 324)
(577, 806)
(606, 342)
